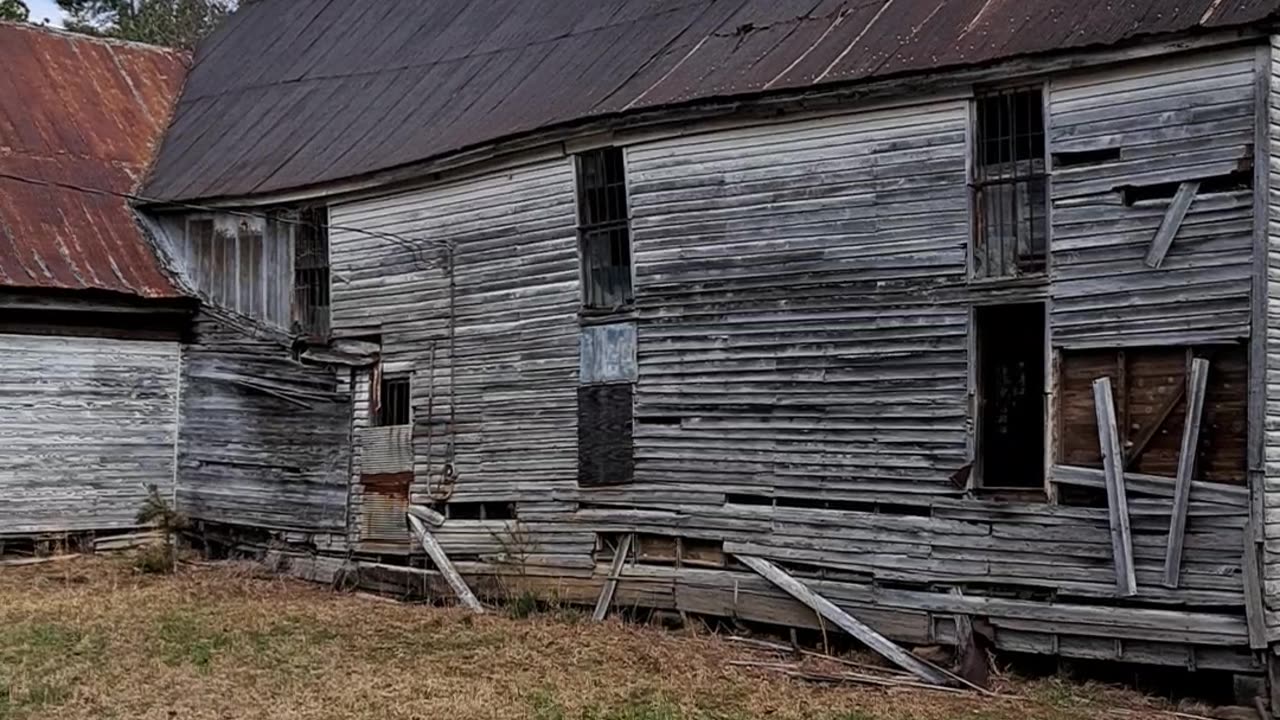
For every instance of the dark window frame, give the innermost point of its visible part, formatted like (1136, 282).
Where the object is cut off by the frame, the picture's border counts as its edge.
(312, 276)
(1009, 183)
(604, 231)
(395, 402)
(999, 322)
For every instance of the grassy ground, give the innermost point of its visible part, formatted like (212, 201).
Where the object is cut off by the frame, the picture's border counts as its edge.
(91, 639)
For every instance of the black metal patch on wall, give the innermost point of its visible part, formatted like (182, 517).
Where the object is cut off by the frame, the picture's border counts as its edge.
(606, 452)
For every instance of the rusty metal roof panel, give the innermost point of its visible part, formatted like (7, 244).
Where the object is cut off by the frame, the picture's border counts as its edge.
(86, 113)
(292, 93)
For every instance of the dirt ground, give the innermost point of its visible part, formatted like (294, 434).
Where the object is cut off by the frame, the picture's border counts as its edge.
(91, 638)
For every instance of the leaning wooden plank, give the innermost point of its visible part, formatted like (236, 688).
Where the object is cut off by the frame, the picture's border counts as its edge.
(37, 560)
(1217, 493)
(1254, 612)
(427, 515)
(1117, 502)
(611, 583)
(847, 622)
(1172, 221)
(1198, 381)
(437, 555)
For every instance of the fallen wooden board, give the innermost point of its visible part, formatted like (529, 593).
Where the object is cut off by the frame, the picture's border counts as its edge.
(611, 583)
(37, 560)
(848, 623)
(427, 515)
(1117, 501)
(441, 560)
(1173, 217)
(1198, 380)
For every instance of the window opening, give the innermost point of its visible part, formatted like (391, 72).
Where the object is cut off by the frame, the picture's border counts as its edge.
(311, 272)
(393, 402)
(604, 230)
(1011, 359)
(1010, 202)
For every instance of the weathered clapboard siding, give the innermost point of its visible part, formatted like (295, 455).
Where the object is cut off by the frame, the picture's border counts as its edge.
(265, 439)
(1173, 120)
(85, 425)
(787, 281)
(483, 313)
(1271, 333)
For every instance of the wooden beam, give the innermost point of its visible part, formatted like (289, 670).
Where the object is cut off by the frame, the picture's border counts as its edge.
(1254, 611)
(1172, 221)
(441, 560)
(1149, 432)
(611, 583)
(825, 608)
(1234, 496)
(1197, 382)
(1117, 502)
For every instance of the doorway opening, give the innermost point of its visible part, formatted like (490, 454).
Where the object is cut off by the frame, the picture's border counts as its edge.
(1011, 396)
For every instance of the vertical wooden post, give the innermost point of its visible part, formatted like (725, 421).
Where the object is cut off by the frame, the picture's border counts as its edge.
(1117, 501)
(1197, 382)
(611, 583)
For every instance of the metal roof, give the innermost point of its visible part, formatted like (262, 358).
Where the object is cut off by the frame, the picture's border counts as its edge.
(291, 93)
(89, 113)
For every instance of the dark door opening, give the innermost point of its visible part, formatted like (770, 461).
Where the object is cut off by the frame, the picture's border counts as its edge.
(1011, 360)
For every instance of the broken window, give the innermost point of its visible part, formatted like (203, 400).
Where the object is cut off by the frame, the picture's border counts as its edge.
(311, 272)
(392, 406)
(604, 230)
(1010, 202)
(1011, 407)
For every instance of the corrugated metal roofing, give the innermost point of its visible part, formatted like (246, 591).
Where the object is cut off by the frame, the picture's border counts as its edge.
(298, 92)
(84, 112)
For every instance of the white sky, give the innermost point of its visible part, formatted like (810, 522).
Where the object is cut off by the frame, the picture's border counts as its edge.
(42, 9)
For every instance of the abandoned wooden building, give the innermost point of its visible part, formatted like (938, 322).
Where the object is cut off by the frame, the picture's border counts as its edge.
(953, 309)
(90, 323)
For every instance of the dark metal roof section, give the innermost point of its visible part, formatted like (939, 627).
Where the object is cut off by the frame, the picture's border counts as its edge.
(298, 92)
(89, 113)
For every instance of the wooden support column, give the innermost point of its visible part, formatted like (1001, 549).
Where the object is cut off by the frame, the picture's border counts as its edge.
(611, 582)
(438, 556)
(1197, 381)
(872, 639)
(1117, 501)
(1178, 208)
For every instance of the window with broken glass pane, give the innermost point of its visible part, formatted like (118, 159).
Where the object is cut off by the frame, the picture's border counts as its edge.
(1010, 202)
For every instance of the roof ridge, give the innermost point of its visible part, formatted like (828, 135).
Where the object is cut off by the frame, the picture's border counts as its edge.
(98, 39)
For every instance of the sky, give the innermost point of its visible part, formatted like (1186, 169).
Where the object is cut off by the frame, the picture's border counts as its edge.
(41, 9)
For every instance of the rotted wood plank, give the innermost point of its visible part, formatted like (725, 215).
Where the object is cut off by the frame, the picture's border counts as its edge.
(1117, 502)
(611, 583)
(427, 515)
(1198, 381)
(1178, 208)
(1254, 611)
(444, 565)
(847, 622)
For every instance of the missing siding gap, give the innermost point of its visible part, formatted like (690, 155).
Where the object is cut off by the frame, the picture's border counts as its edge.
(873, 507)
(663, 550)
(477, 510)
(1237, 181)
(737, 499)
(1076, 158)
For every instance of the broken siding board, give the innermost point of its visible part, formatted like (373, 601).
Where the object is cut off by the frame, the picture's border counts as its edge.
(1103, 294)
(1172, 222)
(1117, 501)
(86, 424)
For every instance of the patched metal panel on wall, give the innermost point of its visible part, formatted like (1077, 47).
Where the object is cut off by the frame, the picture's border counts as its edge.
(85, 425)
(605, 447)
(386, 449)
(607, 354)
(384, 504)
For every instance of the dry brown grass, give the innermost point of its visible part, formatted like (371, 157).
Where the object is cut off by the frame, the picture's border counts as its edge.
(91, 639)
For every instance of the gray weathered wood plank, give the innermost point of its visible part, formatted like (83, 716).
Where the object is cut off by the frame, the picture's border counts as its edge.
(438, 556)
(1197, 383)
(1178, 208)
(847, 622)
(1117, 502)
(611, 583)
(1254, 610)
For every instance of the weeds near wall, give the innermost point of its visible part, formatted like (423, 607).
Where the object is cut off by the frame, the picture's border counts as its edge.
(160, 557)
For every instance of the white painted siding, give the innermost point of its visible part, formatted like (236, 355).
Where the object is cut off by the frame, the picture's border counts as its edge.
(85, 425)
(1173, 119)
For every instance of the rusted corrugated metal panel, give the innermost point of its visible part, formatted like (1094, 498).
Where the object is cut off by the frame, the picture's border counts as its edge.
(88, 113)
(386, 449)
(86, 424)
(299, 92)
